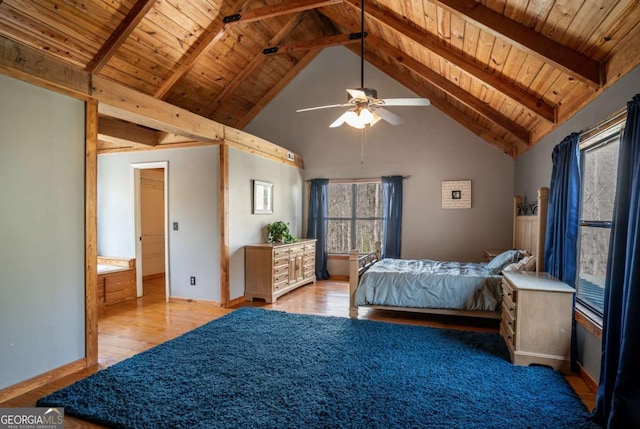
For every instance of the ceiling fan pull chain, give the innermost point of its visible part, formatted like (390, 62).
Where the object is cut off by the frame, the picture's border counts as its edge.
(362, 145)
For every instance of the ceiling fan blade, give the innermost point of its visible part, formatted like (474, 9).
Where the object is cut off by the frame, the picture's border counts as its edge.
(323, 107)
(340, 120)
(391, 118)
(406, 102)
(375, 119)
(357, 94)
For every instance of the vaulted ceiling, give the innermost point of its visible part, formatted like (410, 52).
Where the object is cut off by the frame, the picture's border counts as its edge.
(509, 70)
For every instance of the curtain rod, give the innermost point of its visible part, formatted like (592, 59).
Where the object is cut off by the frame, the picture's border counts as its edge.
(371, 180)
(605, 123)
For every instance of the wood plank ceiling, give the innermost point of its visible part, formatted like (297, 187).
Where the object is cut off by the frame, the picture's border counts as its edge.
(509, 70)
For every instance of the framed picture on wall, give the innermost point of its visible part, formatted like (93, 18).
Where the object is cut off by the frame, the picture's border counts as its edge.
(262, 197)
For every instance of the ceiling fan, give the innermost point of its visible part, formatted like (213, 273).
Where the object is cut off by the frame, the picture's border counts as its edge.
(365, 108)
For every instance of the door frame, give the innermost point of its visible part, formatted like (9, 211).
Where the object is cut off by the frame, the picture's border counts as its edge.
(137, 221)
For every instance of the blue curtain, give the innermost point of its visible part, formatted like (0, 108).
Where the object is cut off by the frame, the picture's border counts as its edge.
(563, 216)
(561, 240)
(317, 225)
(618, 397)
(391, 216)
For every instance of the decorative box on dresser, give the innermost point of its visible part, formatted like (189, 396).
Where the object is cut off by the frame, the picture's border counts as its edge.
(536, 319)
(271, 270)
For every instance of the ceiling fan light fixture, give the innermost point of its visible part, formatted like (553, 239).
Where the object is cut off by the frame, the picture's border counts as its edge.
(352, 118)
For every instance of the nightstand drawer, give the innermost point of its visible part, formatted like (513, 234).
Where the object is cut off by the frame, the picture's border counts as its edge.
(509, 292)
(508, 334)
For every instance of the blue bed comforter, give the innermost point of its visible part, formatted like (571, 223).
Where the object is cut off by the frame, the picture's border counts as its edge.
(430, 284)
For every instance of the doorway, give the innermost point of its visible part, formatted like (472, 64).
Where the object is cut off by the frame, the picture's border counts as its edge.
(151, 236)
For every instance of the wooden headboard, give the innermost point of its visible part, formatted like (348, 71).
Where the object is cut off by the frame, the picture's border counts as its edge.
(530, 225)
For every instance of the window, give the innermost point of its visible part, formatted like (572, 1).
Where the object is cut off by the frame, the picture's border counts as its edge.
(599, 168)
(355, 217)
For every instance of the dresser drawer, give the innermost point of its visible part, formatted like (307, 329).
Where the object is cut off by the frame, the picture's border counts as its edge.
(281, 260)
(280, 253)
(280, 269)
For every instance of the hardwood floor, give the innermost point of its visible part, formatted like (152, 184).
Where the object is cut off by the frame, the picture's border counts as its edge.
(131, 327)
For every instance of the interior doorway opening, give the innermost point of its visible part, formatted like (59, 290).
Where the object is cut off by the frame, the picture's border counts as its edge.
(151, 236)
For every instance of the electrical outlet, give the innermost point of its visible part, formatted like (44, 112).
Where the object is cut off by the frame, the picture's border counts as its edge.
(175, 226)
(192, 281)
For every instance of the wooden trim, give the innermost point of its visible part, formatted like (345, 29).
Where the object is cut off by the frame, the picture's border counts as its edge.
(42, 379)
(590, 325)
(119, 35)
(154, 276)
(199, 301)
(223, 210)
(339, 277)
(235, 301)
(549, 51)
(591, 382)
(91, 233)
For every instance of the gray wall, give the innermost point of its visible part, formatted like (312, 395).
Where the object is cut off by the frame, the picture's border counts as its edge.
(429, 146)
(41, 230)
(194, 250)
(247, 228)
(533, 169)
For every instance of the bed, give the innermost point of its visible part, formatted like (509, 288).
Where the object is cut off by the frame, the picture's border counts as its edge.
(453, 288)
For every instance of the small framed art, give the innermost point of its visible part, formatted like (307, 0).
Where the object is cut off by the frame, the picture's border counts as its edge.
(262, 197)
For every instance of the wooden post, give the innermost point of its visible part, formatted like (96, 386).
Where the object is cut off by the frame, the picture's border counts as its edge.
(91, 233)
(223, 209)
(353, 283)
(543, 205)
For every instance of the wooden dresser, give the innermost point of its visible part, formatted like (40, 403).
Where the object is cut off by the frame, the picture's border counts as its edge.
(536, 319)
(272, 270)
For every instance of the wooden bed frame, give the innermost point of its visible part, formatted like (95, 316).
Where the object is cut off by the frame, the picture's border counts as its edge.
(529, 228)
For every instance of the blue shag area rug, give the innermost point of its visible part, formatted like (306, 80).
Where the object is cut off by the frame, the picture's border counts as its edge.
(256, 368)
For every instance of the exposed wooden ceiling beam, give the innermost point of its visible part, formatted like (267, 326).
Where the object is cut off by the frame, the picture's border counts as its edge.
(120, 132)
(452, 90)
(271, 11)
(208, 39)
(254, 64)
(266, 99)
(120, 34)
(130, 105)
(436, 100)
(575, 64)
(26, 63)
(323, 42)
(118, 101)
(430, 42)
